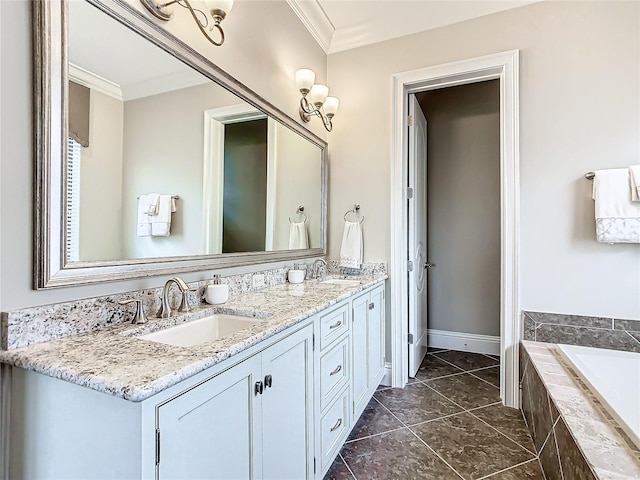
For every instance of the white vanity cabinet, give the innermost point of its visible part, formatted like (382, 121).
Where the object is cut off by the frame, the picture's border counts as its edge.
(251, 421)
(367, 331)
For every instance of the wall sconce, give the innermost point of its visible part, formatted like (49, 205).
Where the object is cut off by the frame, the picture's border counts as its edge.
(218, 10)
(318, 102)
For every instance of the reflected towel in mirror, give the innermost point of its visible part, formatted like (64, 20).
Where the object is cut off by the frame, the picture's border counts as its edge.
(634, 181)
(298, 238)
(147, 206)
(161, 222)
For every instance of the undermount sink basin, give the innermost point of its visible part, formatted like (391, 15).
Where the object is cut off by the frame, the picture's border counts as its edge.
(207, 329)
(341, 281)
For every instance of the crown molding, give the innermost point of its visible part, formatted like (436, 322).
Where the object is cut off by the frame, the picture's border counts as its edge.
(91, 80)
(315, 19)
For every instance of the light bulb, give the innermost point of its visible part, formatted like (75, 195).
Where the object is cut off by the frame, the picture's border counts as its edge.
(331, 106)
(304, 80)
(318, 94)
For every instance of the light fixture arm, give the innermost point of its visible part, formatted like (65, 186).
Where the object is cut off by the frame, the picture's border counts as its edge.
(307, 109)
(159, 11)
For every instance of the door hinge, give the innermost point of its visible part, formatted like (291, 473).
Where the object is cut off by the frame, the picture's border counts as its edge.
(410, 266)
(410, 120)
(157, 446)
(314, 465)
(410, 338)
(410, 192)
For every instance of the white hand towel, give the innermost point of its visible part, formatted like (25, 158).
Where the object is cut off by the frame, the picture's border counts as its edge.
(147, 205)
(298, 238)
(161, 223)
(617, 217)
(634, 181)
(351, 251)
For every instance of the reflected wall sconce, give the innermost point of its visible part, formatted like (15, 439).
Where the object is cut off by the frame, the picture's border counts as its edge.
(315, 99)
(218, 10)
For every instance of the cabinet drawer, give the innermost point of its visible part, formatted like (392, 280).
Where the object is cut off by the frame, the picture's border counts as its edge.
(334, 427)
(334, 371)
(333, 325)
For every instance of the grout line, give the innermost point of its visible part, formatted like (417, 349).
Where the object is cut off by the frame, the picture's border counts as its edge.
(388, 410)
(435, 419)
(435, 453)
(347, 465)
(376, 434)
(509, 468)
(472, 369)
(438, 378)
(457, 404)
(480, 378)
(555, 442)
(505, 435)
(634, 338)
(544, 475)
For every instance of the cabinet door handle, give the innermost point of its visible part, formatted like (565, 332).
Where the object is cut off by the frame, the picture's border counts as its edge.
(268, 381)
(259, 388)
(335, 325)
(337, 425)
(372, 306)
(338, 368)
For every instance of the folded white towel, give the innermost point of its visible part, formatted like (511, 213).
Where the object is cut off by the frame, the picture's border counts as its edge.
(617, 217)
(161, 223)
(147, 206)
(351, 251)
(634, 182)
(298, 238)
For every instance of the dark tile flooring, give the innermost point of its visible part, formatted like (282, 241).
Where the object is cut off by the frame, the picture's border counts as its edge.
(447, 423)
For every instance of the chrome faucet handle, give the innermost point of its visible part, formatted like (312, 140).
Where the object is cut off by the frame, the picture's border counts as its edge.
(184, 303)
(140, 317)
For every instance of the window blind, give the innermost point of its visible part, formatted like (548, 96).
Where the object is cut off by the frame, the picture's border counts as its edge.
(74, 150)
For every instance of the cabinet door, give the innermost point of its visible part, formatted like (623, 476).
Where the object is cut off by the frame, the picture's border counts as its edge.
(208, 432)
(360, 338)
(287, 408)
(376, 337)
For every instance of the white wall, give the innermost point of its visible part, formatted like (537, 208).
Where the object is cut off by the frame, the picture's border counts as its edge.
(101, 181)
(579, 111)
(298, 182)
(265, 44)
(463, 205)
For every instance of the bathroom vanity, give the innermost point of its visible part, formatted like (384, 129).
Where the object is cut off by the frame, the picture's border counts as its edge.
(275, 400)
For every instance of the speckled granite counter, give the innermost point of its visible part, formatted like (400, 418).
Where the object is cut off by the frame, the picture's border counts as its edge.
(115, 361)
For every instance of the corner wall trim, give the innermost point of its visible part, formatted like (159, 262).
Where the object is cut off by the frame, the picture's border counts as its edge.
(469, 342)
(5, 410)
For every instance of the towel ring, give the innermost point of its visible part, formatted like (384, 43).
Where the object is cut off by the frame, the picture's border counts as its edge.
(300, 211)
(354, 210)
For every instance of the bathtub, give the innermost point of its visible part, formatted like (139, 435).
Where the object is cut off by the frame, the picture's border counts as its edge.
(614, 377)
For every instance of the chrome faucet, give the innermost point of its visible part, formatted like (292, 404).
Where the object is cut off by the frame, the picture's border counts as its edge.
(165, 308)
(316, 266)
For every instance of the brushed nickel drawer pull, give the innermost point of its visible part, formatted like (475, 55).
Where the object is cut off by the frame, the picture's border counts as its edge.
(335, 325)
(337, 425)
(372, 306)
(338, 368)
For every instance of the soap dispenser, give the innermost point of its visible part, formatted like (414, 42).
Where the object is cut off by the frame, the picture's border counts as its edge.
(216, 292)
(296, 274)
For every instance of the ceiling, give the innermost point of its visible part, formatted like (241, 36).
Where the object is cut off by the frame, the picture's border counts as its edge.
(339, 25)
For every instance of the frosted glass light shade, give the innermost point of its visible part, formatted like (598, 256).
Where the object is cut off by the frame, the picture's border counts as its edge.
(224, 5)
(304, 79)
(318, 94)
(331, 106)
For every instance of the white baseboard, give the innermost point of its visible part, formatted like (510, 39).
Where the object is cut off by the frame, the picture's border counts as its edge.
(464, 341)
(386, 380)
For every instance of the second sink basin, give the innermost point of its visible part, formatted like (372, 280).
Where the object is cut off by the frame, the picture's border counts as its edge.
(342, 281)
(207, 329)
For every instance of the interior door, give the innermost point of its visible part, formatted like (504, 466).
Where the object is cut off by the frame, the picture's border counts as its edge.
(417, 254)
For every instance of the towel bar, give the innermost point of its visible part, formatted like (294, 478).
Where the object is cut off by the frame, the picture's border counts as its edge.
(590, 175)
(354, 210)
(300, 211)
(175, 197)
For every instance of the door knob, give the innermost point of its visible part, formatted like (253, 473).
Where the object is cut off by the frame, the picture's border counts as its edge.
(429, 265)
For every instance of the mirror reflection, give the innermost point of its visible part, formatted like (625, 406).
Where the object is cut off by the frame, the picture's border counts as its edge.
(163, 162)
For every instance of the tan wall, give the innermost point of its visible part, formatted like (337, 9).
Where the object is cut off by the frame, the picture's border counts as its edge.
(101, 181)
(265, 44)
(579, 111)
(463, 207)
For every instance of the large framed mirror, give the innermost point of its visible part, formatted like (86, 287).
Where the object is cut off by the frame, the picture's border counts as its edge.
(151, 160)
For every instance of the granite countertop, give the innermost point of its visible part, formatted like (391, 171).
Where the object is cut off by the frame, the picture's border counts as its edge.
(115, 361)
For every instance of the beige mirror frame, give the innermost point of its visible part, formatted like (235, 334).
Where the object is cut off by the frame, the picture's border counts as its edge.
(50, 29)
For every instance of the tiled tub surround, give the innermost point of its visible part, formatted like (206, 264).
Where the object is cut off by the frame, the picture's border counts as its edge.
(22, 327)
(113, 361)
(573, 434)
(599, 332)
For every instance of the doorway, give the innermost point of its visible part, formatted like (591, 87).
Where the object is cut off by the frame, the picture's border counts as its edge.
(504, 68)
(457, 131)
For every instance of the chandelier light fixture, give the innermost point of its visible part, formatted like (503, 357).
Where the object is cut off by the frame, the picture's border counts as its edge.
(315, 99)
(218, 10)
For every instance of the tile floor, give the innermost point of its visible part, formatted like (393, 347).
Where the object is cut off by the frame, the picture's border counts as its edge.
(448, 423)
